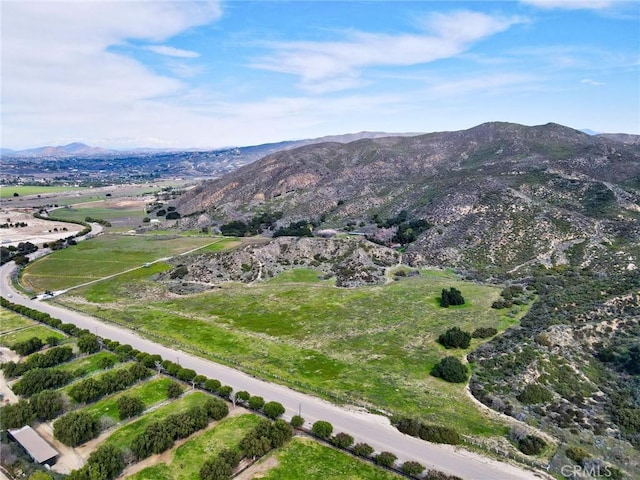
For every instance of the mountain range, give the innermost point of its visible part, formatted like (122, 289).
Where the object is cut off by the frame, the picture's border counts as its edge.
(484, 192)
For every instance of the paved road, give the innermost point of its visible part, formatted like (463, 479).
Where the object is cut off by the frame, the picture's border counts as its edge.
(364, 427)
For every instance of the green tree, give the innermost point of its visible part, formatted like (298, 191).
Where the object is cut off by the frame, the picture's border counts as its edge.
(273, 410)
(451, 369)
(88, 343)
(297, 421)
(174, 389)
(455, 338)
(47, 404)
(16, 415)
(453, 296)
(75, 428)
(129, 406)
(105, 463)
(216, 408)
(256, 402)
(322, 429)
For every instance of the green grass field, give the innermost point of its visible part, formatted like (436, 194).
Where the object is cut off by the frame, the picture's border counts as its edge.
(305, 459)
(125, 434)
(24, 190)
(102, 256)
(150, 392)
(189, 457)
(373, 346)
(100, 209)
(40, 331)
(10, 321)
(88, 364)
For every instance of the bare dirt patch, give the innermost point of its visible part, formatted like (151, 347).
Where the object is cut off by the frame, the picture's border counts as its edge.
(258, 469)
(37, 231)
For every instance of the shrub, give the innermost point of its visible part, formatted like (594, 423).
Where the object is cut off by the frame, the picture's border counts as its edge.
(322, 429)
(47, 404)
(484, 332)
(363, 450)
(531, 445)
(412, 468)
(16, 415)
(450, 369)
(455, 338)
(577, 454)
(256, 402)
(88, 343)
(273, 410)
(242, 396)
(386, 459)
(27, 347)
(211, 385)
(342, 440)
(534, 393)
(297, 421)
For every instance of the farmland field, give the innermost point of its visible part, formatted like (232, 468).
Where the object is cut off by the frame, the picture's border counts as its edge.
(372, 346)
(305, 459)
(88, 364)
(10, 321)
(39, 331)
(23, 190)
(125, 435)
(189, 457)
(102, 256)
(150, 392)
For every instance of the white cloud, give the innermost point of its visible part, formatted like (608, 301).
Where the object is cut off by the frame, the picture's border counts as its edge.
(58, 72)
(323, 66)
(571, 4)
(588, 81)
(171, 51)
(491, 83)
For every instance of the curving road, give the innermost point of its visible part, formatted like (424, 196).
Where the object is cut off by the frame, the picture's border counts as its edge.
(364, 427)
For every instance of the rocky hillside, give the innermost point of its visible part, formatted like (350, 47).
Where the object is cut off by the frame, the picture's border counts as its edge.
(350, 261)
(498, 197)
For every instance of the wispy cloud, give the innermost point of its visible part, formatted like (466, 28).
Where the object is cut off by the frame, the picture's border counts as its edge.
(171, 51)
(571, 4)
(588, 81)
(324, 66)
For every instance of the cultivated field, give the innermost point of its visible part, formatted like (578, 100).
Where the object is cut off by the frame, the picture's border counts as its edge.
(106, 255)
(36, 330)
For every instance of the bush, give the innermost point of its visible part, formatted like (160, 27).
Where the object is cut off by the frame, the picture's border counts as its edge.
(386, 459)
(88, 343)
(47, 404)
(211, 385)
(342, 440)
(484, 332)
(297, 421)
(256, 402)
(531, 445)
(363, 450)
(225, 391)
(430, 433)
(273, 410)
(28, 346)
(16, 415)
(577, 454)
(455, 338)
(39, 379)
(242, 396)
(105, 463)
(533, 394)
(451, 369)
(412, 468)
(322, 429)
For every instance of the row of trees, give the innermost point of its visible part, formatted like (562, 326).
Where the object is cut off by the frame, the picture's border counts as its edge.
(50, 358)
(43, 406)
(92, 389)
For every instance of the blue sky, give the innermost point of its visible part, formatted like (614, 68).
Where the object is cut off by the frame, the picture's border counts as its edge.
(202, 74)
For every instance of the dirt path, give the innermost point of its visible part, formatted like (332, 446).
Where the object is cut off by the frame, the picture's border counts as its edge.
(7, 355)
(258, 469)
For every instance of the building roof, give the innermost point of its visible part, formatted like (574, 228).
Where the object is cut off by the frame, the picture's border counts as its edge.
(34, 444)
